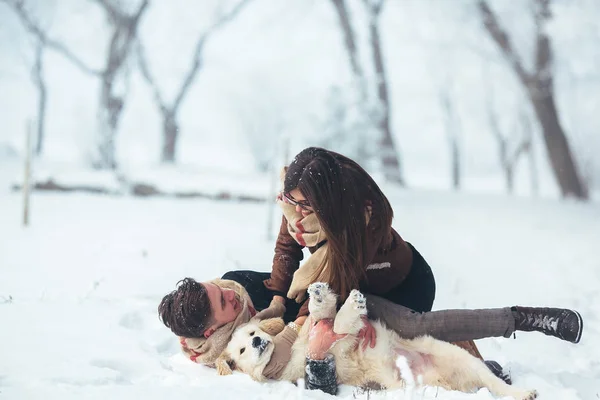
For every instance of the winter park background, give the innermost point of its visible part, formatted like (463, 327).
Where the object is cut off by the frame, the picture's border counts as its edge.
(133, 189)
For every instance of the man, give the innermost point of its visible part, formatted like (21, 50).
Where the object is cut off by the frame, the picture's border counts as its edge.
(205, 314)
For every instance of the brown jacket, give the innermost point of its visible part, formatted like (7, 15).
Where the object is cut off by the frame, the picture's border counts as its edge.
(389, 263)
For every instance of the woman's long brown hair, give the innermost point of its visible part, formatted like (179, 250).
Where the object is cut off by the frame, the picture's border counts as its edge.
(339, 191)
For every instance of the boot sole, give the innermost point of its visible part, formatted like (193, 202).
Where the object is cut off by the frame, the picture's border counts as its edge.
(580, 321)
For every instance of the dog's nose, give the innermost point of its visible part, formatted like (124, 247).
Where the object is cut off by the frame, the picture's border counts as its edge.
(256, 341)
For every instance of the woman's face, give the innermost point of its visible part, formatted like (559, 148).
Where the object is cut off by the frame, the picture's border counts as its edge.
(297, 195)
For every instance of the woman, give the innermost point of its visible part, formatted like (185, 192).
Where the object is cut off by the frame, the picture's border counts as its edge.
(353, 243)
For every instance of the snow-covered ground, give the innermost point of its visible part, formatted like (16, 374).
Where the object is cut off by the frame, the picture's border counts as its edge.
(79, 288)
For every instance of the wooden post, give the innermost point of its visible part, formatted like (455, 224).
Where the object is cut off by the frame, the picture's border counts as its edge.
(27, 177)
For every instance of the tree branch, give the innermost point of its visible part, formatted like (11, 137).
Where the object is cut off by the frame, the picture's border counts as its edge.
(113, 12)
(349, 37)
(34, 29)
(543, 52)
(197, 59)
(143, 64)
(374, 6)
(502, 39)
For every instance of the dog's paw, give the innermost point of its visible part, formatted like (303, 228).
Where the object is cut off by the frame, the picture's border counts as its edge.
(358, 302)
(526, 395)
(349, 318)
(532, 394)
(322, 301)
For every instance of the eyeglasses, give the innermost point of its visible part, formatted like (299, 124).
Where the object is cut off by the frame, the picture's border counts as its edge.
(303, 204)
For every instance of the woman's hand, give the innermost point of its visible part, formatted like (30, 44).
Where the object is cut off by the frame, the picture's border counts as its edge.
(279, 299)
(321, 338)
(367, 334)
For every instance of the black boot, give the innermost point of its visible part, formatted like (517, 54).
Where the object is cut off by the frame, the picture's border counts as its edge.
(558, 322)
(498, 371)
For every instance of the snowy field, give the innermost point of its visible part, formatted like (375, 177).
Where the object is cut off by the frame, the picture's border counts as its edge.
(80, 287)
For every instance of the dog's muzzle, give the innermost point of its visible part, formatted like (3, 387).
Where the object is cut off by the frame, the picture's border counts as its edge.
(260, 344)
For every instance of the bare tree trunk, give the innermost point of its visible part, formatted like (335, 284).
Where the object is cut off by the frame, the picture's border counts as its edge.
(169, 111)
(452, 133)
(539, 87)
(170, 136)
(389, 150)
(533, 173)
(124, 33)
(508, 155)
(109, 116)
(350, 43)
(502, 148)
(40, 83)
(362, 152)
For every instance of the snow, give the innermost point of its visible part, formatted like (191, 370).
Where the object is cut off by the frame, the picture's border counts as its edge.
(79, 288)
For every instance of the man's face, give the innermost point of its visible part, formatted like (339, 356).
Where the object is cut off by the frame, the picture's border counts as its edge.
(224, 306)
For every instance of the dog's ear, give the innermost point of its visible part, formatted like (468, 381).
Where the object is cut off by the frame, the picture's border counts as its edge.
(225, 364)
(272, 326)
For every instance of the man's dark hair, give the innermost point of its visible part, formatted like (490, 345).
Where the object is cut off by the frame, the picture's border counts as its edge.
(186, 310)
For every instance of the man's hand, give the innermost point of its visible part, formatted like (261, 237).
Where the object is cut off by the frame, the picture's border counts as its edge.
(321, 338)
(280, 299)
(367, 334)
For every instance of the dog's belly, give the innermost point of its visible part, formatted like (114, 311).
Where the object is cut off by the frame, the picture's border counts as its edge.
(418, 363)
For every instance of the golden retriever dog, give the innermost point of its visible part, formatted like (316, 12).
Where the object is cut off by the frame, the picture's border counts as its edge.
(392, 363)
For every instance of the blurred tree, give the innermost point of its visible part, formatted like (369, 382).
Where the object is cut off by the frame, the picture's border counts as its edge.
(373, 112)
(37, 71)
(453, 128)
(168, 109)
(345, 129)
(539, 87)
(348, 125)
(388, 148)
(510, 146)
(124, 28)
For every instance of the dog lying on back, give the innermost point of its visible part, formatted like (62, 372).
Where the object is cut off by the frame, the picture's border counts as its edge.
(431, 362)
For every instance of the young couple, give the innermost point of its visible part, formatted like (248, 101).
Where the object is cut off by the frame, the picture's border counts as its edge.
(333, 206)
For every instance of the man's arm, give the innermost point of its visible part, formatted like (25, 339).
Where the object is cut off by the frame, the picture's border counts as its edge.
(282, 353)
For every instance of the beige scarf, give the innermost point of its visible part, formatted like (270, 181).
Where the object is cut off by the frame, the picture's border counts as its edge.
(307, 232)
(207, 350)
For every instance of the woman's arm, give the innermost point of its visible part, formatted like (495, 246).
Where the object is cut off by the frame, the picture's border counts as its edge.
(320, 365)
(288, 254)
(320, 374)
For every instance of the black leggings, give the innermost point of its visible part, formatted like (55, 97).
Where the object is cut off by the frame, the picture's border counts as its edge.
(416, 292)
(252, 281)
